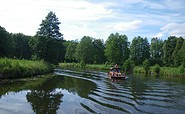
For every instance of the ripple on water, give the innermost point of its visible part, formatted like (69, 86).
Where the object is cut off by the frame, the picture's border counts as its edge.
(130, 96)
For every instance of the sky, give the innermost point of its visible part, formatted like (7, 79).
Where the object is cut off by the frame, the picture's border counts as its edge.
(97, 18)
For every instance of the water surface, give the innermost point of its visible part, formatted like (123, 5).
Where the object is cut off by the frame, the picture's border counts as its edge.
(77, 92)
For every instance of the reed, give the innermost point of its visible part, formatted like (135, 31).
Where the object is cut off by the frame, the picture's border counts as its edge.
(165, 71)
(88, 66)
(138, 69)
(179, 71)
(13, 68)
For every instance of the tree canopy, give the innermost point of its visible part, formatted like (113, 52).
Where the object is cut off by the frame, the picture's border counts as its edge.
(139, 50)
(48, 44)
(48, 41)
(50, 27)
(116, 48)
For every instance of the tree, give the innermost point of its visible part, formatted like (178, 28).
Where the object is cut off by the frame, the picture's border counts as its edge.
(84, 50)
(50, 27)
(70, 51)
(181, 55)
(177, 59)
(146, 66)
(51, 50)
(128, 65)
(116, 48)
(168, 48)
(44, 98)
(38, 47)
(139, 50)
(156, 51)
(49, 40)
(99, 47)
(5, 43)
(21, 47)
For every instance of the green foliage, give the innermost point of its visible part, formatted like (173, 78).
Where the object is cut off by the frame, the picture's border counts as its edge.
(138, 69)
(70, 65)
(168, 49)
(172, 71)
(155, 69)
(48, 43)
(181, 69)
(82, 65)
(98, 56)
(70, 51)
(146, 66)
(85, 50)
(116, 48)
(50, 27)
(11, 68)
(139, 50)
(156, 51)
(39, 48)
(98, 66)
(175, 55)
(87, 66)
(165, 71)
(128, 65)
(21, 48)
(181, 55)
(5, 43)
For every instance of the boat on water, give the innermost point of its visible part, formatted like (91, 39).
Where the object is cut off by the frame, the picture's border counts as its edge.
(115, 73)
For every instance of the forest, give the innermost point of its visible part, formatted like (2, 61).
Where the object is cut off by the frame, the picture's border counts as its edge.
(49, 45)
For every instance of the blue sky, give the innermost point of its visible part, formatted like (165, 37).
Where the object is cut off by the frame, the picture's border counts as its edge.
(97, 18)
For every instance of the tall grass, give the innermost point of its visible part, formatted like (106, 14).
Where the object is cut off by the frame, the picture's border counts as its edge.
(138, 69)
(166, 71)
(180, 71)
(12, 68)
(88, 66)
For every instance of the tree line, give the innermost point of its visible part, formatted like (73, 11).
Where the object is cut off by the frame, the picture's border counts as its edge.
(48, 44)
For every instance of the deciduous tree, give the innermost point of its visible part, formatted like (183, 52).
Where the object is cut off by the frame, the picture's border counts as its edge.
(139, 50)
(116, 48)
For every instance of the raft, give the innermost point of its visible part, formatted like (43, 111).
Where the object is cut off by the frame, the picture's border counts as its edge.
(115, 73)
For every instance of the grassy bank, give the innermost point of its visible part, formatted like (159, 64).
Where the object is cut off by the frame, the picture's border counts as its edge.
(166, 71)
(154, 70)
(12, 68)
(88, 66)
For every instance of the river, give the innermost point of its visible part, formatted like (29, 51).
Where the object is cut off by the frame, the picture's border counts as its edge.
(77, 92)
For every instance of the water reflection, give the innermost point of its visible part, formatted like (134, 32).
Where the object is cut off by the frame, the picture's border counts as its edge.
(44, 98)
(93, 92)
(45, 94)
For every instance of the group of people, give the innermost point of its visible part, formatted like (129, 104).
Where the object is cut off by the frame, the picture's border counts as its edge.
(115, 71)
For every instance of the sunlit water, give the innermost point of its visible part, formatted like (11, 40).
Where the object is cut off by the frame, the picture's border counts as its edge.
(76, 92)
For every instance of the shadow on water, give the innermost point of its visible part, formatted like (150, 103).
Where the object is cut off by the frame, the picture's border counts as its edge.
(45, 94)
(77, 92)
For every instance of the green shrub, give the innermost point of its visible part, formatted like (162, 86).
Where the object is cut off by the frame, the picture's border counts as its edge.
(12, 68)
(128, 66)
(156, 69)
(181, 69)
(138, 69)
(146, 66)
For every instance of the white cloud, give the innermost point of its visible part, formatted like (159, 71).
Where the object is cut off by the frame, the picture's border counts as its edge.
(159, 35)
(93, 18)
(127, 26)
(174, 29)
(25, 16)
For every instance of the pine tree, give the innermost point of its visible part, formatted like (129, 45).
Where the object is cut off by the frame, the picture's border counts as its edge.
(48, 42)
(50, 27)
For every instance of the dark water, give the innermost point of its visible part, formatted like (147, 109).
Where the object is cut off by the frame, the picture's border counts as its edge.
(75, 92)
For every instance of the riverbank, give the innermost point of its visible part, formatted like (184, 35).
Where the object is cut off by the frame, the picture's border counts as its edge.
(154, 70)
(13, 68)
(166, 71)
(88, 66)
